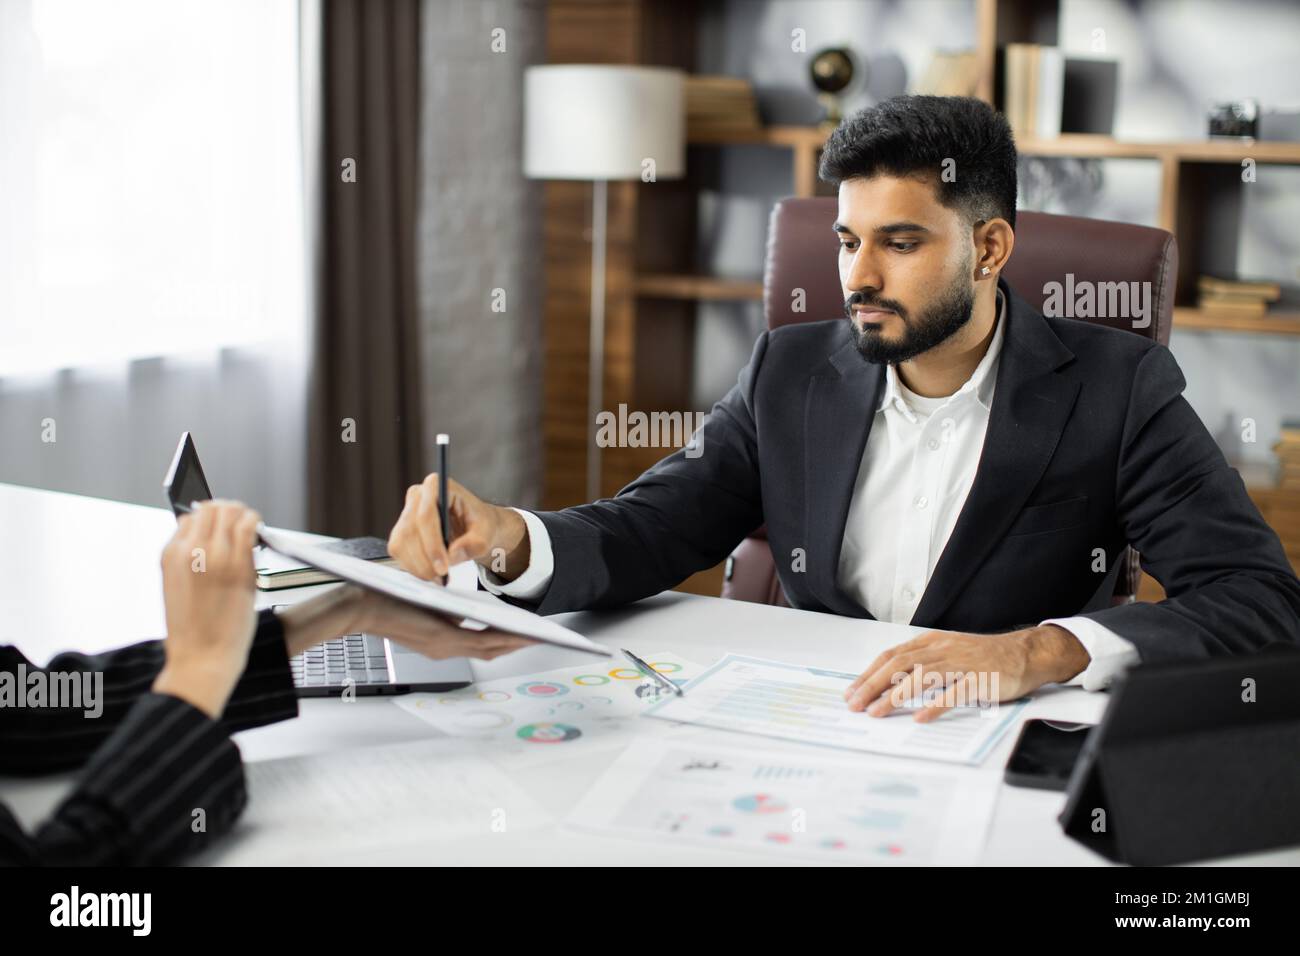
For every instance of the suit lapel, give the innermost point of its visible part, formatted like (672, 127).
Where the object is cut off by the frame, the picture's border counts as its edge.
(840, 405)
(1030, 407)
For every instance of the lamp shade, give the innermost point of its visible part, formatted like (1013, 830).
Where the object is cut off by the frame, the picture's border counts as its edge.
(603, 122)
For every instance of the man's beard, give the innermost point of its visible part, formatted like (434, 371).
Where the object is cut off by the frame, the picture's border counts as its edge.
(938, 323)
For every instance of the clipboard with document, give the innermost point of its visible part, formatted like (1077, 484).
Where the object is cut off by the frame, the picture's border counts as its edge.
(468, 605)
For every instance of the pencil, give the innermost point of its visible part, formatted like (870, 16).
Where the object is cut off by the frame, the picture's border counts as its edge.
(443, 512)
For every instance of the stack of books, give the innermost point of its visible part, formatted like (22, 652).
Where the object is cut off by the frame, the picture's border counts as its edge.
(1235, 297)
(1288, 454)
(725, 103)
(1033, 89)
(951, 73)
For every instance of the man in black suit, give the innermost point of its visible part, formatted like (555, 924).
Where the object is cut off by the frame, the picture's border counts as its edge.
(162, 777)
(943, 455)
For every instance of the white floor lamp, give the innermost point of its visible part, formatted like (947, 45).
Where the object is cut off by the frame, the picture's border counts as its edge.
(602, 123)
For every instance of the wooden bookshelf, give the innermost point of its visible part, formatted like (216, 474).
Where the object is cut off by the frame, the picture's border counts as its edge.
(700, 288)
(794, 137)
(1270, 323)
(1202, 151)
(808, 142)
(1084, 145)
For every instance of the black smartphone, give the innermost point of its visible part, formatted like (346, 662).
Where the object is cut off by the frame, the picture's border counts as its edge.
(1045, 754)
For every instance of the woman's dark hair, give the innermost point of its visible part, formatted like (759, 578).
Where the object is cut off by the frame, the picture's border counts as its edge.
(910, 135)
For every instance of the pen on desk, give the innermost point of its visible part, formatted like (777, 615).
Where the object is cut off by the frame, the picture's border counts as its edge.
(443, 511)
(649, 671)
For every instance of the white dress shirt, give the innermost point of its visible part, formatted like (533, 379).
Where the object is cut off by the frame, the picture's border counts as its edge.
(917, 469)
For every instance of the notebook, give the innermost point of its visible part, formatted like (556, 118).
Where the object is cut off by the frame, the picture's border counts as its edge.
(275, 571)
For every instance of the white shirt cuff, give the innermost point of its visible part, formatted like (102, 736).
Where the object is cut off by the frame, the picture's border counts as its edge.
(532, 584)
(1111, 654)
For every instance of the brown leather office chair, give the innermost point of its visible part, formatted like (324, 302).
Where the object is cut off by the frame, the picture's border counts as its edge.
(802, 254)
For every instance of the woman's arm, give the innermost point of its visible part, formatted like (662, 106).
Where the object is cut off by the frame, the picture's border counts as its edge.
(47, 738)
(167, 778)
(166, 781)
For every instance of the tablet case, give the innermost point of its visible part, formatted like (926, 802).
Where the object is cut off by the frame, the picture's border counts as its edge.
(1186, 766)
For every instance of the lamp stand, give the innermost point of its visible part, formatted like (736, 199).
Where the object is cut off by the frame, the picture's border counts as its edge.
(596, 351)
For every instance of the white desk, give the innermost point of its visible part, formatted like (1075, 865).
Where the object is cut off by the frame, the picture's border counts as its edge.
(85, 575)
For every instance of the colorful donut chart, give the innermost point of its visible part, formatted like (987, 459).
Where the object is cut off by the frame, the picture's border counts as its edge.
(547, 733)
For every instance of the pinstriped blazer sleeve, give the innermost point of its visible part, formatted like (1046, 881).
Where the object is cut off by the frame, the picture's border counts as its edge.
(48, 739)
(166, 782)
(154, 760)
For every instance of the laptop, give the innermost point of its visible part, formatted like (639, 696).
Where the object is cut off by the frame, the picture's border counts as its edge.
(363, 664)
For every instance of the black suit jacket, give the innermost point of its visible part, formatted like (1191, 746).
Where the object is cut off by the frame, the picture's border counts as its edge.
(152, 759)
(1090, 445)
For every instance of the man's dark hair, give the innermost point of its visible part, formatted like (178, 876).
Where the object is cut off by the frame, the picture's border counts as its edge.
(910, 135)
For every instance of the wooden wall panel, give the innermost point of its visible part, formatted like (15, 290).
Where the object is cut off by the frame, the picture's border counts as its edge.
(582, 31)
(649, 343)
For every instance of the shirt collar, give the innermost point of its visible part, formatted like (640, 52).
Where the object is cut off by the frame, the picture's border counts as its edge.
(980, 384)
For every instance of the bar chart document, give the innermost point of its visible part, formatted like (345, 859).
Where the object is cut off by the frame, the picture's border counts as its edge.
(806, 704)
(857, 810)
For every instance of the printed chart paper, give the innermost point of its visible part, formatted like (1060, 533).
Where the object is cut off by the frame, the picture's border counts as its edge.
(314, 809)
(564, 712)
(859, 810)
(806, 704)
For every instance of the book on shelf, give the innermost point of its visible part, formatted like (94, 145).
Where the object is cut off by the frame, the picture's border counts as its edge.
(720, 102)
(1232, 304)
(950, 73)
(1090, 89)
(1263, 291)
(1287, 450)
(1034, 87)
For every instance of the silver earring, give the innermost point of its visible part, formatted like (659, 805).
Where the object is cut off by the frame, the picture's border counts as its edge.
(984, 270)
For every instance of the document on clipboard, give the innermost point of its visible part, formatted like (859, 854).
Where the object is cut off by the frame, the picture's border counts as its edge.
(470, 605)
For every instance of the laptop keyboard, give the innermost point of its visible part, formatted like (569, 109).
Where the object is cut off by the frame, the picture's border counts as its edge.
(356, 657)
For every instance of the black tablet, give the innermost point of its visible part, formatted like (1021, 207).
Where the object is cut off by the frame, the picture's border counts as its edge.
(1193, 760)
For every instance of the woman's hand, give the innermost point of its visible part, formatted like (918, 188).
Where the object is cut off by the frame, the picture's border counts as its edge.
(208, 578)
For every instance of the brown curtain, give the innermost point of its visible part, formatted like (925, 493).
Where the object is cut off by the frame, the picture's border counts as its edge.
(365, 441)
